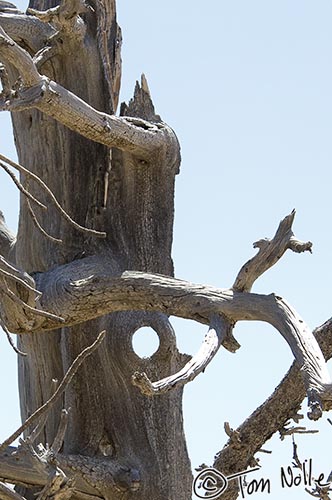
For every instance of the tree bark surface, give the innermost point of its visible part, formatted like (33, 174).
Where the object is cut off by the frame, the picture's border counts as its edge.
(132, 200)
(115, 175)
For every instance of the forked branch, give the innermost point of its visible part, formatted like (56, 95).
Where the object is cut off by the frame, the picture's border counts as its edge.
(87, 288)
(269, 253)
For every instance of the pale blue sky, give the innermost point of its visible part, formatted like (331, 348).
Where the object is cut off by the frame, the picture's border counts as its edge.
(247, 86)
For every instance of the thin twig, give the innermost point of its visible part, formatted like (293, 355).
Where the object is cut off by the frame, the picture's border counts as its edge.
(295, 430)
(55, 397)
(38, 312)
(39, 227)
(10, 340)
(16, 273)
(21, 187)
(35, 177)
(29, 440)
(19, 280)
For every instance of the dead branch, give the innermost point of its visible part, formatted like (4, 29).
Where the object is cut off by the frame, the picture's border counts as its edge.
(48, 191)
(295, 430)
(16, 278)
(28, 28)
(270, 251)
(95, 478)
(136, 136)
(212, 342)
(233, 435)
(297, 461)
(21, 187)
(13, 273)
(39, 227)
(87, 289)
(35, 433)
(271, 416)
(45, 408)
(68, 23)
(9, 51)
(10, 340)
(58, 486)
(38, 312)
(28, 468)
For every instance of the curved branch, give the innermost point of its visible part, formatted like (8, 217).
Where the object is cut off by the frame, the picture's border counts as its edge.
(13, 54)
(7, 270)
(133, 135)
(270, 251)
(270, 417)
(218, 331)
(86, 289)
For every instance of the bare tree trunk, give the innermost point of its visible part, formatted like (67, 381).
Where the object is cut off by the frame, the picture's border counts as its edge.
(132, 200)
(115, 175)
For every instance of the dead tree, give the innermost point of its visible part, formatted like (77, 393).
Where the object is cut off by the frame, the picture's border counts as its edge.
(116, 431)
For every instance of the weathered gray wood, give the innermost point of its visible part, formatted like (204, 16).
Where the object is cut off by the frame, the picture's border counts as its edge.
(132, 200)
(134, 135)
(128, 193)
(87, 289)
(7, 239)
(18, 466)
(283, 405)
(28, 28)
(218, 331)
(270, 251)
